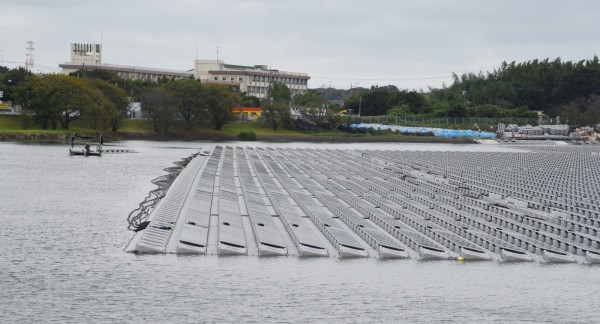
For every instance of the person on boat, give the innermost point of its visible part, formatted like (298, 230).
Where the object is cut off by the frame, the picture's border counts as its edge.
(87, 148)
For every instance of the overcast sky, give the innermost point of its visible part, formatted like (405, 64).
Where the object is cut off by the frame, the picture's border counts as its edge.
(339, 43)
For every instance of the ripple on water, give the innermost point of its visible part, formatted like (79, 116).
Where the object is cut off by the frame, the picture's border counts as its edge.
(64, 226)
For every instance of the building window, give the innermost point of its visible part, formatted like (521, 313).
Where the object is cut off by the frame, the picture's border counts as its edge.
(216, 78)
(241, 79)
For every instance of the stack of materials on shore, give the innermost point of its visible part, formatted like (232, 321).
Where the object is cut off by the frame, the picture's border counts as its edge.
(547, 131)
(531, 130)
(586, 134)
(559, 130)
(510, 128)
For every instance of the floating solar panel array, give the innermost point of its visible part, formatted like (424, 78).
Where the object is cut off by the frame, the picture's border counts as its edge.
(541, 204)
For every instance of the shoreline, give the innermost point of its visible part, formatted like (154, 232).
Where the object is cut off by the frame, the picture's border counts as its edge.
(9, 137)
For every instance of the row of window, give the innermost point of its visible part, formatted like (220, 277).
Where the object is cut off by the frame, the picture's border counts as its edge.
(232, 79)
(257, 89)
(268, 78)
(145, 76)
(252, 89)
(262, 78)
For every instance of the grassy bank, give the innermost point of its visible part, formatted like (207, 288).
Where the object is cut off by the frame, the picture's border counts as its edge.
(11, 129)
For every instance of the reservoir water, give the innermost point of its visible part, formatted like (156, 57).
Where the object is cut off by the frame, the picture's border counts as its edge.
(63, 229)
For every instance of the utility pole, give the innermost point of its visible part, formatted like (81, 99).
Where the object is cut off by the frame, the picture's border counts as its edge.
(359, 104)
(29, 62)
(218, 58)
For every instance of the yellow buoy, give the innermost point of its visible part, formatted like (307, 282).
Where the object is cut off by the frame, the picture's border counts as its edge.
(460, 259)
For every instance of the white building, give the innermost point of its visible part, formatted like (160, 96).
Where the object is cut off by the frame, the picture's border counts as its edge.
(254, 80)
(89, 56)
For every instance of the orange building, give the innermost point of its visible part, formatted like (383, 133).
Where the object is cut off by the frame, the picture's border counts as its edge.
(246, 113)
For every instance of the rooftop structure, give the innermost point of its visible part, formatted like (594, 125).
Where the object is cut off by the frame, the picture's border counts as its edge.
(540, 203)
(88, 54)
(254, 80)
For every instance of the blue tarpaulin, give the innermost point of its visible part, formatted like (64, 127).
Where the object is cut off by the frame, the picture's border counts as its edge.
(439, 132)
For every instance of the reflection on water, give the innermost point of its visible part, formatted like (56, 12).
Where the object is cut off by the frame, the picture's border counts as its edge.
(64, 226)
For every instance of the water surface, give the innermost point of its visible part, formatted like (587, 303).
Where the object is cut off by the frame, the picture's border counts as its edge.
(64, 227)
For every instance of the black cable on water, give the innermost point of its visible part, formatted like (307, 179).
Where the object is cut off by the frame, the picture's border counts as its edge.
(137, 218)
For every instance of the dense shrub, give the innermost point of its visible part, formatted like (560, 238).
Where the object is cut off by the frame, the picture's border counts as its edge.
(247, 136)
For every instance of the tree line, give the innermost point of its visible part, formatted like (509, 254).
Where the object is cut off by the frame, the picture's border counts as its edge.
(100, 99)
(557, 88)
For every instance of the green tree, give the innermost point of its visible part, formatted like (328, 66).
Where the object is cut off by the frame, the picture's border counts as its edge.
(250, 101)
(582, 111)
(37, 95)
(74, 97)
(60, 98)
(280, 92)
(160, 106)
(9, 80)
(379, 100)
(105, 75)
(400, 110)
(112, 115)
(334, 119)
(310, 98)
(457, 109)
(219, 100)
(189, 94)
(276, 113)
(135, 87)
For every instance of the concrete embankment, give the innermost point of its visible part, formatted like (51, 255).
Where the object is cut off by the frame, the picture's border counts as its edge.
(9, 137)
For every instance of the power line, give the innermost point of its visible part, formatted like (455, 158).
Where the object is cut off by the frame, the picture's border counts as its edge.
(48, 67)
(12, 62)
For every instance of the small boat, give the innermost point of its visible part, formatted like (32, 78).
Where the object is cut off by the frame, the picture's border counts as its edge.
(82, 145)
